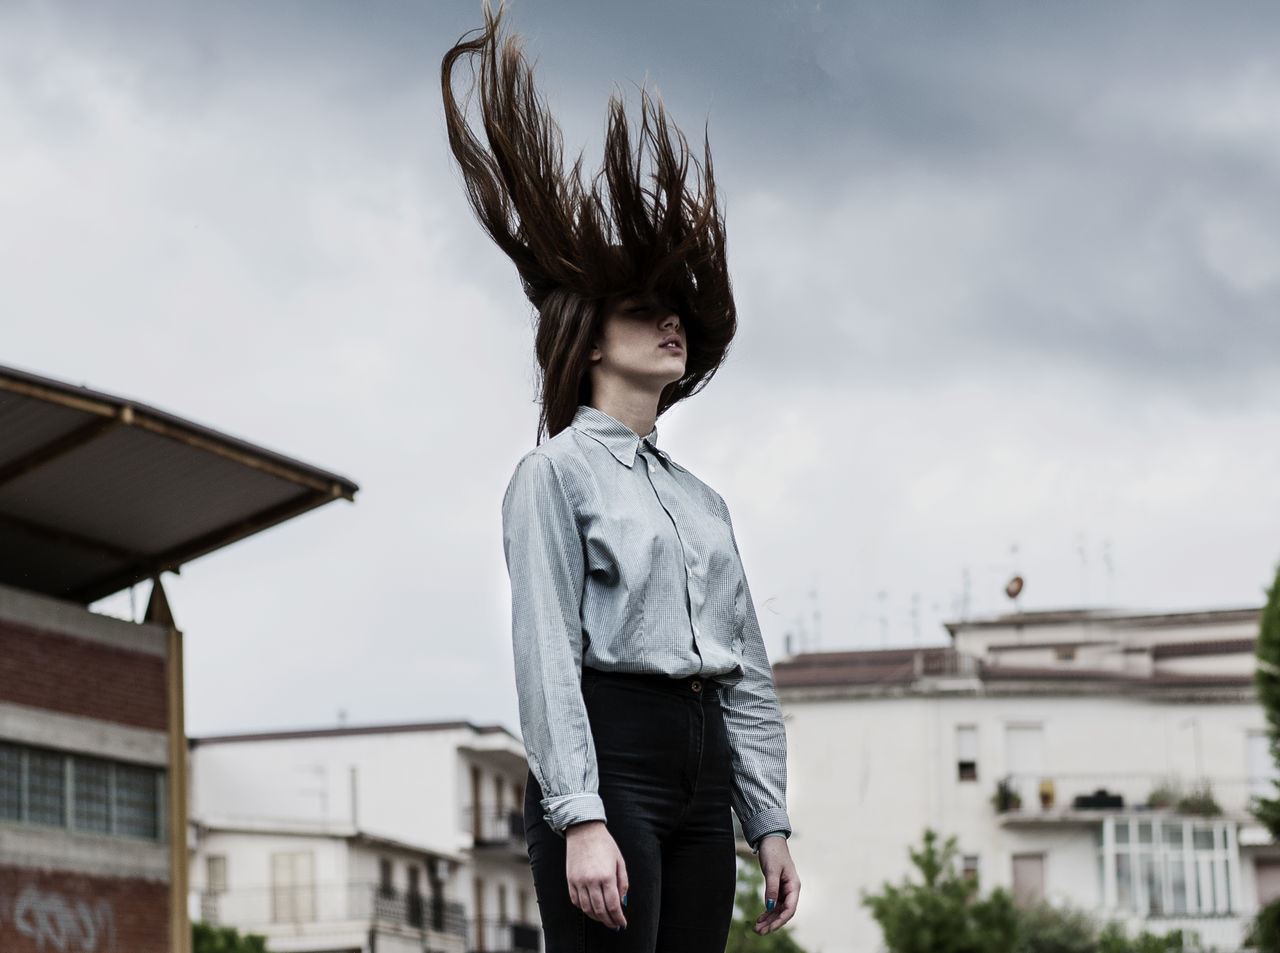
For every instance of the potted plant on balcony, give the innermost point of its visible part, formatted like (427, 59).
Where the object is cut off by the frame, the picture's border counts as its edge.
(1006, 797)
(1200, 800)
(1164, 795)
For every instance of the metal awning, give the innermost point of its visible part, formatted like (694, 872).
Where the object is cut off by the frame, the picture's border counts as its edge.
(98, 492)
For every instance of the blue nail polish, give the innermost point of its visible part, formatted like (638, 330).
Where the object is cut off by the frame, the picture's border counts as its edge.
(768, 905)
(624, 899)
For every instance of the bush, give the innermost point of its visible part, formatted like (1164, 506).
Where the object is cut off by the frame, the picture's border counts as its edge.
(1264, 932)
(206, 938)
(1047, 929)
(944, 913)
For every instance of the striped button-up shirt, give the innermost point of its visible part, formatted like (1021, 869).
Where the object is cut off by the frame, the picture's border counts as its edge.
(623, 561)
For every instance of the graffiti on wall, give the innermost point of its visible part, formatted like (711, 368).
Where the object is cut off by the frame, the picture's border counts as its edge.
(57, 923)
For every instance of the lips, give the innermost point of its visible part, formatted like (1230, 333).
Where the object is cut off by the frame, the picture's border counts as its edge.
(672, 343)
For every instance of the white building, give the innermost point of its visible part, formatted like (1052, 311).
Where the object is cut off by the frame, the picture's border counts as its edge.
(1061, 750)
(386, 839)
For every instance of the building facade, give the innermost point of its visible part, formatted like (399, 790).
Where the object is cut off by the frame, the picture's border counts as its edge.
(1099, 760)
(386, 838)
(84, 779)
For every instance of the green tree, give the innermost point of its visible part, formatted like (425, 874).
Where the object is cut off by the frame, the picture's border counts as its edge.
(748, 903)
(944, 913)
(210, 939)
(1266, 678)
(1113, 939)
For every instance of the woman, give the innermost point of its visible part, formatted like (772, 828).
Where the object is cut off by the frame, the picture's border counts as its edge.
(646, 699)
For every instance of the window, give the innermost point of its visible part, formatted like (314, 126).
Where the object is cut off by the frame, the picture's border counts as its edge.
(1028, 879)
(967, 752)
(10, 783)
(79, 793)
(1025, 760)
(416, 906)
(137, 802)
(215, 873)
(969, 867)
(384, 877)
(293, 891)
(46, 788)
(1065, 654)
(93, 794)
(1171, 867)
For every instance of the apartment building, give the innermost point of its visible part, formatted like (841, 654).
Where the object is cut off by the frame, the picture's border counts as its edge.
(405, 837)
(1098, 759)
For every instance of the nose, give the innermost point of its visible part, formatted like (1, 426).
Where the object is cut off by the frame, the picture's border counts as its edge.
(670, 321)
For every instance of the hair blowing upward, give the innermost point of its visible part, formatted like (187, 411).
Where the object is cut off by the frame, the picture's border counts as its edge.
(647, 223)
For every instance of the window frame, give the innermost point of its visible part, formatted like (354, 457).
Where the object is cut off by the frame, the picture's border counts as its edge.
(63, 766)
(1158, 859)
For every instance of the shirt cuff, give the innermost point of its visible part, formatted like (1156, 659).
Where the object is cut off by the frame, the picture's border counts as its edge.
(766, 822)
(568, 809)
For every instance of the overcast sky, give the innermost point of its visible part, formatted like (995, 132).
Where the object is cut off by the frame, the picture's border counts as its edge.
(1007, 276)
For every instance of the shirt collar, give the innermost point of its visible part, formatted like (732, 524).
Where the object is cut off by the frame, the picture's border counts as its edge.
(617, 438)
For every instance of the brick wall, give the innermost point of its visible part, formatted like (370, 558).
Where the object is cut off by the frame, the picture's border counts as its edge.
(44, 911)
(79, 677)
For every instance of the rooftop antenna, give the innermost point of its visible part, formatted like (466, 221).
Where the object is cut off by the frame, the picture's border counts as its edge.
(1082, 549)
(915, 618)
(883, 598)
(1110, 565)
(817, 615)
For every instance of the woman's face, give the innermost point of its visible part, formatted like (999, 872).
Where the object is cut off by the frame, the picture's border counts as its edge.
(642, 344)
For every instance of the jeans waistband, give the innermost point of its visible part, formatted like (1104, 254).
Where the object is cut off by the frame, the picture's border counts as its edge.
(693, 686)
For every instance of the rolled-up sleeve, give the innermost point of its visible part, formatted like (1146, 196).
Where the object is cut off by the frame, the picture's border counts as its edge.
(546, 564)
(757, 738)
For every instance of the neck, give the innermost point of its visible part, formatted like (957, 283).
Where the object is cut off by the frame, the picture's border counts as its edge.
(635, 409)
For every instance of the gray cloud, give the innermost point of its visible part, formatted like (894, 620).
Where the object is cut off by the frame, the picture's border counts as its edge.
(1006, 273)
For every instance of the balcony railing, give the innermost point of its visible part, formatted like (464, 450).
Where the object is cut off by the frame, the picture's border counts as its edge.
(494, 827)
(1032, 795)
(366, 903)
(502, 936)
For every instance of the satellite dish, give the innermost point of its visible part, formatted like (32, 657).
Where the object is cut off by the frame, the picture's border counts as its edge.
(1014, 587)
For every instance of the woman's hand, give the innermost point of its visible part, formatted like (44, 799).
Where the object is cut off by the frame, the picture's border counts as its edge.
(781, 884)
(596, 873)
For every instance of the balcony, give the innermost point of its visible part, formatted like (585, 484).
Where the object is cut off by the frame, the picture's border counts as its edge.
(501, 828)
(502, 936)
(1087, 798)
(333, 909)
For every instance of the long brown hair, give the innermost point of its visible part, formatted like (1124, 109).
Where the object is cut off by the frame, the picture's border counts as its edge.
(647, 223)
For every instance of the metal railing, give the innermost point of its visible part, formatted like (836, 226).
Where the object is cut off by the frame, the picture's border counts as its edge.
(363, 902)
(491, 826)
(1053, 793)
(502, 936)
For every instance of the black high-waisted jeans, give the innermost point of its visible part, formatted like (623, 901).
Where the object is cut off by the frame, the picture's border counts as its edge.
(664, 778)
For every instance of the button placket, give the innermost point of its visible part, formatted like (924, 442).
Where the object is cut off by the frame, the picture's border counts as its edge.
(646, 452)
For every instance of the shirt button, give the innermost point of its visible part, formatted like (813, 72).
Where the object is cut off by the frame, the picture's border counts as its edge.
(696, 686)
